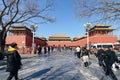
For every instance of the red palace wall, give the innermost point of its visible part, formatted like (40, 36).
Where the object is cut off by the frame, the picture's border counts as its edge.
(17, 39)
(24, 42)
(28, 41)
(61, 43)
(82, 42)
(103, 39)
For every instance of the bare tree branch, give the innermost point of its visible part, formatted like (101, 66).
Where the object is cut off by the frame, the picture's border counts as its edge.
(106, 10)
(19, 11)
(2, 12)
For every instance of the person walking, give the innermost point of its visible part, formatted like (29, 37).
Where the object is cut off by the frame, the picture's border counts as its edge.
(52, 48)
(49, 49)
(75, 53)
(110, 58)
(100, 56)
(39, 50)
(45, 51)
(78, 51)
(13, 62)
(85, 56)
(95, 51)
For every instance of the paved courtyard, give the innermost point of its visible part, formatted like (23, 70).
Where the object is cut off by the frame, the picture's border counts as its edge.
(58, 66)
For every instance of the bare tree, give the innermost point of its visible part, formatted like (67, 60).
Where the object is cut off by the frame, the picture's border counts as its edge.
(19, 11)
(98, 10)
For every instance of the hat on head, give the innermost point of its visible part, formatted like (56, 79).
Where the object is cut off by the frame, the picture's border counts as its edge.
(13, 44)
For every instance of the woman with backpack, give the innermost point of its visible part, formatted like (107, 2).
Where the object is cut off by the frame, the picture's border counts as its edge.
(85, 56)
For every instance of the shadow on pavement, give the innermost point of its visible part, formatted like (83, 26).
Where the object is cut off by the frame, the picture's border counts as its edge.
(37, 74)
(3, 68)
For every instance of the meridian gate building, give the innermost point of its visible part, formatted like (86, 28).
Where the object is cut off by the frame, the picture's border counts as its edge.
(59, 40)
(23, 36)
(97, 34)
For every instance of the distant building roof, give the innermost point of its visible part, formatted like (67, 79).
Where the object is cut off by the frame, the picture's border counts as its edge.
(101, 27)
(19, 28)
(59, 37)
(43, 38)
(78, 38)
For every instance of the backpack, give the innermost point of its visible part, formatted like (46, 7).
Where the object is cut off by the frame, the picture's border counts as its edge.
(85, 52)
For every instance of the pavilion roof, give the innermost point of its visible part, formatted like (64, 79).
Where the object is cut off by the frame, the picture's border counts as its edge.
(42, 38)
(102, 27)
(19, 28)
(78, 38)
(59, 37)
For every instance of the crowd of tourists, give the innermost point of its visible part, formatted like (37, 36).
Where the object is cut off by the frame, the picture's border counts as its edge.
(106, 57)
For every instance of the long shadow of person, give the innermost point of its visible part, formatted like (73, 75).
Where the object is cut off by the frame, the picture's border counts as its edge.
(37, 74)
(3, 68)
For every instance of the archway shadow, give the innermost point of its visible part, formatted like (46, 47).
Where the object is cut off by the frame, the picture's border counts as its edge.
(37, 74)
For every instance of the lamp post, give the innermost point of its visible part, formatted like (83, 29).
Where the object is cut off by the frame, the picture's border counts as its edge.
(23, 46)
(33, 28)
(87, 26)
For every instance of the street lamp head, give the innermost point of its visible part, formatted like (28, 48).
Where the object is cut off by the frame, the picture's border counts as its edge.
(87, 26)
(36, 27)
(33, 27)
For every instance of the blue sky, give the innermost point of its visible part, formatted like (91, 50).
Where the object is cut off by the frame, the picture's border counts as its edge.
(65, 23)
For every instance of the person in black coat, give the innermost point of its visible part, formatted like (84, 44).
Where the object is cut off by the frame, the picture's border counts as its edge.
(39, 50)
(1, 56)
(45, 50)
(13, 62)
(100, 55)
(109, 58)
(85, 56)
(48, 49)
